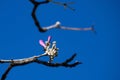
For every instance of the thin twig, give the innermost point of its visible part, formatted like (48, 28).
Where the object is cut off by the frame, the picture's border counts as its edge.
(64, 64)
(6, 72)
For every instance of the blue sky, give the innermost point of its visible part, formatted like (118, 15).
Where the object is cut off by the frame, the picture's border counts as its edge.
(99, 52)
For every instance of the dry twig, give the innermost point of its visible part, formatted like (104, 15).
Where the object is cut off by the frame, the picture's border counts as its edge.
(35, 59)
(57, 24)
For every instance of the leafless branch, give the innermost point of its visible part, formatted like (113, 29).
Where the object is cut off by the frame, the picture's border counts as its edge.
(64, 64)
(25, 61)
(36, 4)
(56, 25)
(6, 72)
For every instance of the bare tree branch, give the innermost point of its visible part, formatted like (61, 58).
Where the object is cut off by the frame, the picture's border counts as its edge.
(25, 61)
(64, 64)
(6, 72)
(36, 4)
(57, 24)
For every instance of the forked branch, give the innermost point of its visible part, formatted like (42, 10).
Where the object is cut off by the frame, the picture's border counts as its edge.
(57, 24)
(36, 4)
(35, 59)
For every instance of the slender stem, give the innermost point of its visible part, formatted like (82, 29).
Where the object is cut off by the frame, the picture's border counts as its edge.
(4, 76)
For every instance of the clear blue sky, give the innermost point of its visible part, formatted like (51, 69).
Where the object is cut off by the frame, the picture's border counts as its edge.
(99, 52)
